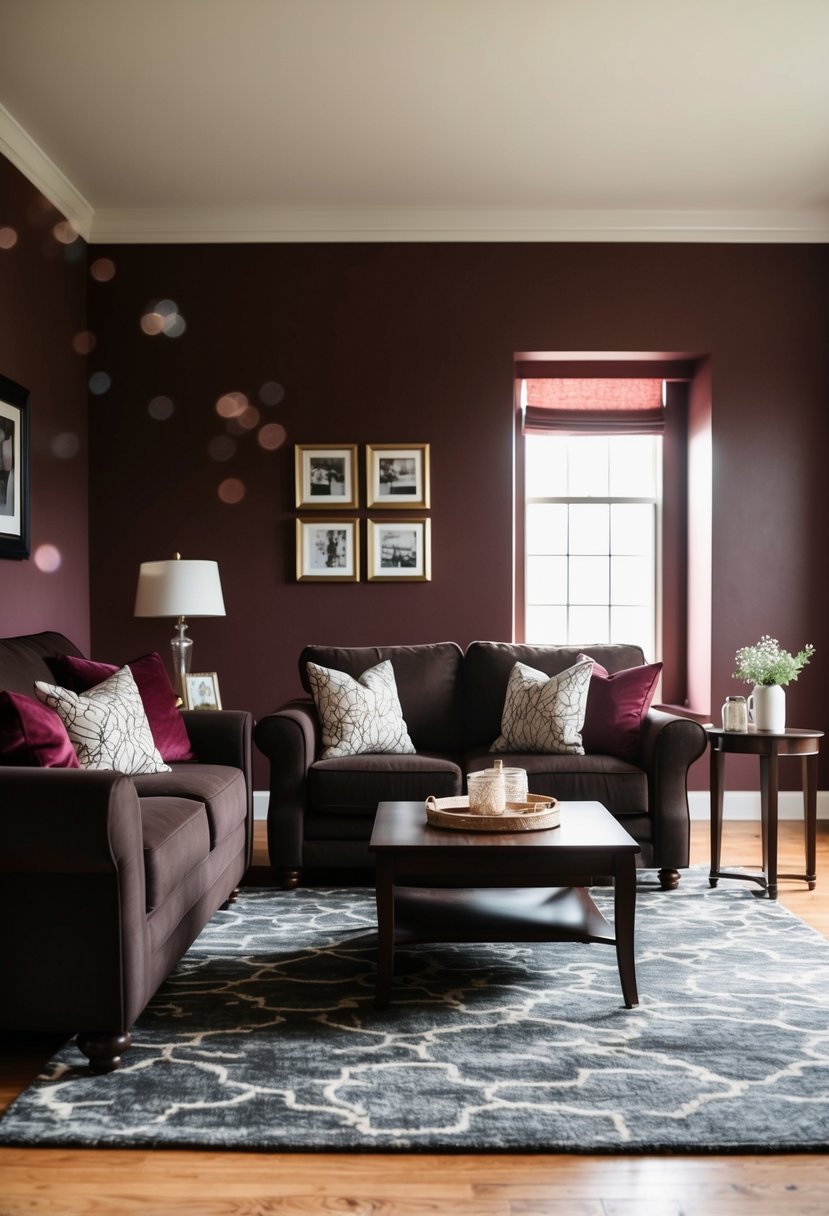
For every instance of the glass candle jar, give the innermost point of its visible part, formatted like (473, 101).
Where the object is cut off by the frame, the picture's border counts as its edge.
(515, 784)
(735, 714)
(487, 792)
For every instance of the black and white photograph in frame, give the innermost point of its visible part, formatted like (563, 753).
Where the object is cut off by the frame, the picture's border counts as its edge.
(397, 475)
(201, 690)
(14, 469)
(327, 550)
(399, 550)
(326, 477)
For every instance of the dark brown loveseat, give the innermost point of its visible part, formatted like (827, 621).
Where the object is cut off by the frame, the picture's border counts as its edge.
(105, 880)
(321, 811)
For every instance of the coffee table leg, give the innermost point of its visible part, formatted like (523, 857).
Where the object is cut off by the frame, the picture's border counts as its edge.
(385, 932)
(624, 918)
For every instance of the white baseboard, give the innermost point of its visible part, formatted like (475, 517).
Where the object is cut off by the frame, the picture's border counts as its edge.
(738, 804)
(745, 804)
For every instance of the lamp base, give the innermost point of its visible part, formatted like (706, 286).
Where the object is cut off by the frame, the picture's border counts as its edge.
(182, 648)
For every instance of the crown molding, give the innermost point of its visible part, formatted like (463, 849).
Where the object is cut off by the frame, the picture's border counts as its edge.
(211, 225)
(27, 156)
(297, 225)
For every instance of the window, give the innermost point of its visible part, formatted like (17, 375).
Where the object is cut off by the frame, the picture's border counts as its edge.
(592, 525)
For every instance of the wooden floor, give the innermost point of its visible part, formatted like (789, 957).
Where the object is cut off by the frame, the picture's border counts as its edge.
(115, 1182)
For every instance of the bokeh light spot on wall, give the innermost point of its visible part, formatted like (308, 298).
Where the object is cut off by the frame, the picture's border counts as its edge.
(163, 317)
(65, 445)
(231, 490)
(222, 448)
(102, 269)
(272, 436)
(271, 393)
(99, 382)
(248, 420)
(231, 405)
(65, 232)
(8, 238)
(161, 408)
(152, 323)
(48, 558)
(84, 342)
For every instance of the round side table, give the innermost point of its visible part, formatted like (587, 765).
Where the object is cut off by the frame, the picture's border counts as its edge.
(770, 746)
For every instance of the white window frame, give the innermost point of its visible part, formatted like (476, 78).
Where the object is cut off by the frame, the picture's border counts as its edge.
(656, 501)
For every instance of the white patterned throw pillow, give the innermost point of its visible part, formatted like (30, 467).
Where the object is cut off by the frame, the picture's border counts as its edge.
(107, 724)
(359, 716)
(544, 713)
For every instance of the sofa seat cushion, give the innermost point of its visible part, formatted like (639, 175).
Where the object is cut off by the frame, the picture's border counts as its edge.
(176, 838)
(221, 788)
(358, 783)
(618, 785)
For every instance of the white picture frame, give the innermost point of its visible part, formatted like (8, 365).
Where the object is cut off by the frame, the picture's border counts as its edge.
(201, 690)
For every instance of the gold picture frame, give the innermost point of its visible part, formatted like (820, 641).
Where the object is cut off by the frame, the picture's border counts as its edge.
(201, 690)
(326, 476)
(327, 551)
(397, 476)
(399, 550)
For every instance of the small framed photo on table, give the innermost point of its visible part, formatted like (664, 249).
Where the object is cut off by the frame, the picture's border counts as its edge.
(326, 477)
(398, 475)
(327, 551)
(399, 550)
(201, 690)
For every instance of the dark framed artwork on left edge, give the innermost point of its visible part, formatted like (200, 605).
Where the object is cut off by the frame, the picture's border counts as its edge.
(14, 469)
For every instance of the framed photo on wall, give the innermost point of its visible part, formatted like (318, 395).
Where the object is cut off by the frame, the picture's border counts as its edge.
(397, 475)
(326, 476)
(327, 551)
(399, 550)
(201, 690)
(14, 469)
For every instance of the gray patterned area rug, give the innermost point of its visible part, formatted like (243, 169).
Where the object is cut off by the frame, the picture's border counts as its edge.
(265, 1037)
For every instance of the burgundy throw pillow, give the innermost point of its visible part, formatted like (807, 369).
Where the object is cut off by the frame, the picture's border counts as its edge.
(150, 674)
(616, 705)
(33, 735)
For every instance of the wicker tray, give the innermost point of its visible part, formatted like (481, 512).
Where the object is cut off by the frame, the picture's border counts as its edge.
(534, 815)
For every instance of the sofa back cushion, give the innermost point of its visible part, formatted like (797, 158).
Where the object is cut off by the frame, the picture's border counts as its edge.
(487, 667)
(23, 659)
(429, 685)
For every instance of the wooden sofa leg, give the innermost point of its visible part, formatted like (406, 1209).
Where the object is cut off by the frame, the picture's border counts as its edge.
(288, 878)
(231, 899)
(104, 1050)
(669, 879)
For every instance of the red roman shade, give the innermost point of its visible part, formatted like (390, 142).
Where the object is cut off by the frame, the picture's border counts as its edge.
(581, 406)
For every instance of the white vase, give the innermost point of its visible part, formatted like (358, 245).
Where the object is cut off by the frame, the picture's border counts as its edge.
(767, 707)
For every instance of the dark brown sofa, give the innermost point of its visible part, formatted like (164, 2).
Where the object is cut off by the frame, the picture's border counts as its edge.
(321, 811)
(105, 880)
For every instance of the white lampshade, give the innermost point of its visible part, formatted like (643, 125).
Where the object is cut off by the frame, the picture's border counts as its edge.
(179, 588)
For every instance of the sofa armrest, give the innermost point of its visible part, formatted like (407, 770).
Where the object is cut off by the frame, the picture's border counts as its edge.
(670, 745)
(290, 739)
(74, 938)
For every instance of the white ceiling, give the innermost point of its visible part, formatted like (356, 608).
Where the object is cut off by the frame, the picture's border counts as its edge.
(422, 119)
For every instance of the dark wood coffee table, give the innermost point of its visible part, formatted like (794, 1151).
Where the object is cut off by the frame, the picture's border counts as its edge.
(442, 885)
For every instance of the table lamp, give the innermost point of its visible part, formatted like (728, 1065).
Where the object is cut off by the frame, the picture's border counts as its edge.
(179, 588)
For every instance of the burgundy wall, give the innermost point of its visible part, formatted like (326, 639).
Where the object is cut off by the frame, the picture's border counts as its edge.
(42, 308)
(414, 343)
